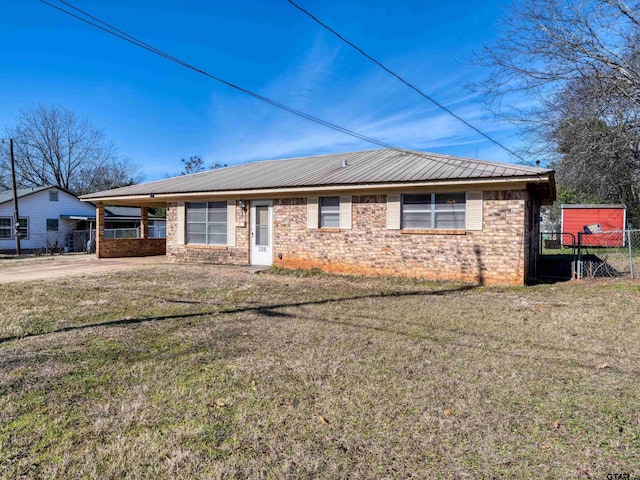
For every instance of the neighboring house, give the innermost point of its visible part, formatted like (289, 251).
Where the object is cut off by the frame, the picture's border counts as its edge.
(52, 218)
(387, 212)
(47, 218)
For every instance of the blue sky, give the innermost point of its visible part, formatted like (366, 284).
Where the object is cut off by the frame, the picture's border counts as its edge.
(158, 112)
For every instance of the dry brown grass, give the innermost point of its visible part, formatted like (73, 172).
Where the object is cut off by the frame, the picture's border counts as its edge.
(204, 372)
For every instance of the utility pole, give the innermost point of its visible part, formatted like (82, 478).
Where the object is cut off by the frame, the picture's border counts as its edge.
(16, 215)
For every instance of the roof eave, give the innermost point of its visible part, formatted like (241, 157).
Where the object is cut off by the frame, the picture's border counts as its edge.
(161, 198)
(38, 190)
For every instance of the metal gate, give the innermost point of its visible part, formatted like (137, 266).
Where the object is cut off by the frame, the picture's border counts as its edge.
(557, 256)
(608, 254)
(588, 255)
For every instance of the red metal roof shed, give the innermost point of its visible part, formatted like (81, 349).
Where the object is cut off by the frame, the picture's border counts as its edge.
(610, 218)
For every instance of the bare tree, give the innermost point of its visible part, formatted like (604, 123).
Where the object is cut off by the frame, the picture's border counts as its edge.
(547, 44)
(55, 147)
(550, 49)
(575, 66)
(5, 181)
(195, 164)
(118, 172)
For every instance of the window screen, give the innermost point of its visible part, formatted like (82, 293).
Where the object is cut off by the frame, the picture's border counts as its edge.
(329, 212)
(207, 223)
(439, 211)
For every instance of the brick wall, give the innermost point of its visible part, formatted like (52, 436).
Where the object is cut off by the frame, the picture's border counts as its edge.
(495, 255)
(238, 255)
(131, 247)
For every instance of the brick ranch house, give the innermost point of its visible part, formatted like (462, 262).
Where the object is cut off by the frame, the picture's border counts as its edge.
(379, 212)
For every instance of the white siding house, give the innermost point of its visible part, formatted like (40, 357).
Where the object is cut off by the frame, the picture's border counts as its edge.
(41, 210)
(53, 218)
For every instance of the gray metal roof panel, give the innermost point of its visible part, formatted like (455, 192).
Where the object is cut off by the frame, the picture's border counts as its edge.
(111, 211)
(593, 205)
(368, 167)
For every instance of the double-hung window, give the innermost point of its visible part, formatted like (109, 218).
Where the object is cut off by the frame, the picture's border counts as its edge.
(52, 224)
(6, 227)
(434, 211)
(329, 212)
(23, 229)
(207, 223)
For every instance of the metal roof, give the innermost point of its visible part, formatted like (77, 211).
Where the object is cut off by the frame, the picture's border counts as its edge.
(133, 212)
(368, 167)
(592, 205)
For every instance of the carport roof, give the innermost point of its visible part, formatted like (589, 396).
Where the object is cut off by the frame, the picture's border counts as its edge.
(389, 166)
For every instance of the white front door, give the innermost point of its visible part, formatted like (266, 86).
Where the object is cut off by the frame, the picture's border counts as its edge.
(261, 232)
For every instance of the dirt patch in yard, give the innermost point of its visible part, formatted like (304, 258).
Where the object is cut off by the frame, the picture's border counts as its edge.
(183, 371)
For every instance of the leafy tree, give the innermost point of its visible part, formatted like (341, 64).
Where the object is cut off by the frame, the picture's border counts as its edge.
(53, 146)
(600, 162)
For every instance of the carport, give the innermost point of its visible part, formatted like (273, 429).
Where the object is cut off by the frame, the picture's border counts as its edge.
(143, 246)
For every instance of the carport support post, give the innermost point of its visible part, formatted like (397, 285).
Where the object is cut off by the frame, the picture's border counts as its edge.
(144, 222)
(99, 227)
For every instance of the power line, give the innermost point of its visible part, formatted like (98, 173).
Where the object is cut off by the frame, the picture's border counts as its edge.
(407, 83)
(105, 27)
(116, 32)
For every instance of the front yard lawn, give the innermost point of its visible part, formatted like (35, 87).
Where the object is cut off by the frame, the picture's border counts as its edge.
(197, 371)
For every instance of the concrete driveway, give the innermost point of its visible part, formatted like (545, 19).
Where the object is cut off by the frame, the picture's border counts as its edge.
(37, 268)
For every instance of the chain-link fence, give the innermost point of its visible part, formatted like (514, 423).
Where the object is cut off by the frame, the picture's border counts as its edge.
(154, 232)
(595, 254)
(122, 233)
(55, 241)
(608, 254)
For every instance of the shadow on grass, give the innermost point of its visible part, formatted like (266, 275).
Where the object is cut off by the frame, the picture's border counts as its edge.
(273, 311)
(555, 267)
(266, 310)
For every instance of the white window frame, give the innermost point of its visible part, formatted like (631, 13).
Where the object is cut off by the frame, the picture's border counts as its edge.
(431, 212)
(54, 196)
(332, 211)
(222, 206)
(9, 227)
(26, 236)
